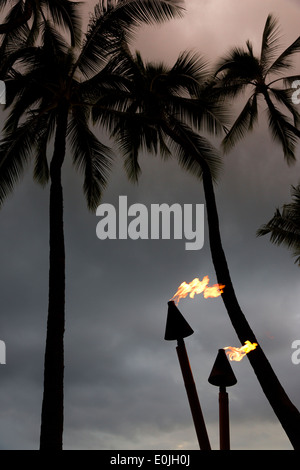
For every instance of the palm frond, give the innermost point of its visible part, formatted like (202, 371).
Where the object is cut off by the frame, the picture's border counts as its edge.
(284, 227)
(134, 133)
(284, 61)
(250, 47)
(189, 71)
(90, 156)
(270, 43)
(16, 18)
(287, 81)
(132, 167)
(67, 15)
(105, 86)
(118, 19)
(237, 67)
(223, 91)
(131, 14)
(282, 130)
(213, 115)
(33, 31)
(284, 96)
(53, 41)
(22, 95)
(282, 231)
(3, 4)
(190, 148)
(244, 123)
(15, 153)
(27, 57)
(45, 131)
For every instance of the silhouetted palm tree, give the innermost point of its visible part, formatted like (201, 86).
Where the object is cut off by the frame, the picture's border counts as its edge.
(284, 227)
(50, 95)
(238, 72)
(242, 71)
(159, 112)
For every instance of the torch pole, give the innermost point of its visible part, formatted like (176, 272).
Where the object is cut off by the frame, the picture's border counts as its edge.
(224, 419)
(222, 376)
(192, 396)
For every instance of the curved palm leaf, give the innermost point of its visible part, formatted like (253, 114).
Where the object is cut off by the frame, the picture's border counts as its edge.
(243, 124)
(284, 97)
(15, 154)
(89, 156)
(119, 19)
(284, 227)
(270, 43)
(191, 148)
(284, 61)
(282, 130)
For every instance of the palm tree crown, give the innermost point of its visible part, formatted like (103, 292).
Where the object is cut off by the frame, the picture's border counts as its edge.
(159, 109)
(241, 70)
(54, 75)
(48, 83)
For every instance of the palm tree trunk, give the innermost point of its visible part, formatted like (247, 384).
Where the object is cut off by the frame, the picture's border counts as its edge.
(286, 412)
(52, 407)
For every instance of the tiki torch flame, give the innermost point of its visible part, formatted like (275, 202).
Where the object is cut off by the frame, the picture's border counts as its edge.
(237, 354)
(197, 287)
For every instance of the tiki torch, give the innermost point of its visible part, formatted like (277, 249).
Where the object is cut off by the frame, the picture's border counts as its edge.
(222, 376)
(177, 328)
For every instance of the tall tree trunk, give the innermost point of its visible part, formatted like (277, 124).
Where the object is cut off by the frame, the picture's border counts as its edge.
(286, 412)
(53, 397)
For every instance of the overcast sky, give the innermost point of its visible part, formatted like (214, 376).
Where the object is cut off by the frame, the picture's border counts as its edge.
(123, 386)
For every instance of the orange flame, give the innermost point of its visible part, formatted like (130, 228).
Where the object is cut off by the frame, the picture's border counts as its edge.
(237, 354)
(197, 287)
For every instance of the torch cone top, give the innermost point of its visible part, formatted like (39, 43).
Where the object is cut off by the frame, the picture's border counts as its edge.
(177, 327)
(222, 374)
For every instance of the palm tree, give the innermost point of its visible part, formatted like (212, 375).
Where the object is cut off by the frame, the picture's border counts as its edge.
(284, 227)
(238, 72)
(50, 90)
(159, 111)
(241, 70)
